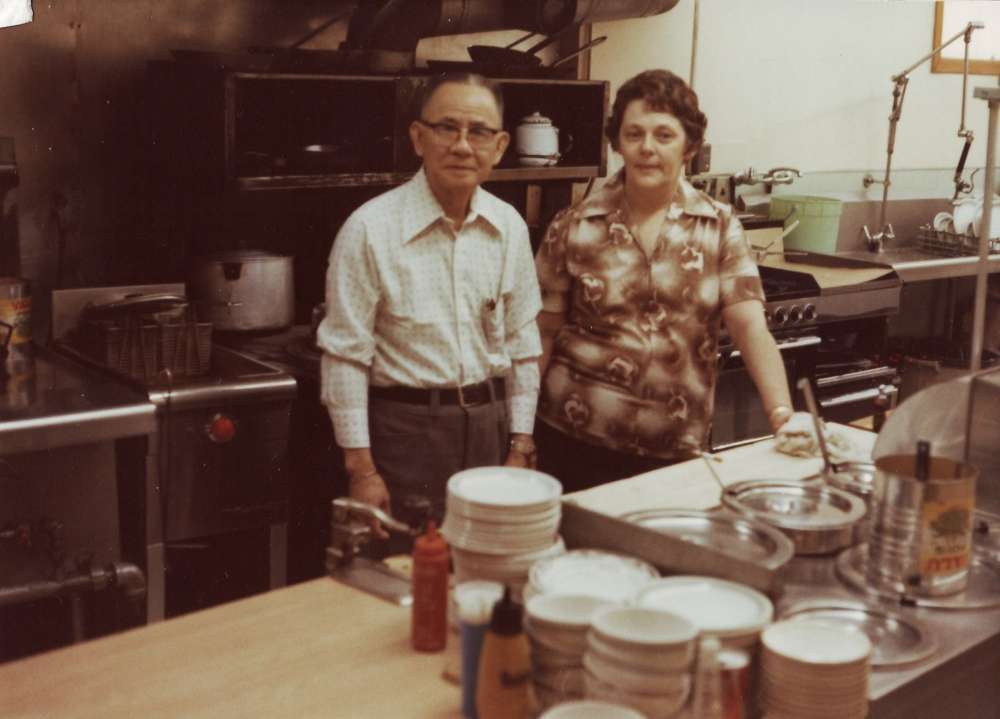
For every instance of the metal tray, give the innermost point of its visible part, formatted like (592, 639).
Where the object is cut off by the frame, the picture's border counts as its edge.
(981, 592)
(817, 518)
(895, 639)
(733, 534)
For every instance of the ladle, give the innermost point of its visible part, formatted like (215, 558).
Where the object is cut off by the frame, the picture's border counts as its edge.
(708, 461)
(807, 393)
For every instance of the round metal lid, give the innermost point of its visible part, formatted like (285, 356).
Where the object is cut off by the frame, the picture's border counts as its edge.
(735, 535)
(795, 505)
(895, 639)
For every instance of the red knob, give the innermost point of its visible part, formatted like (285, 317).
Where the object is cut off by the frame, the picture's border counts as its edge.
(221, 428)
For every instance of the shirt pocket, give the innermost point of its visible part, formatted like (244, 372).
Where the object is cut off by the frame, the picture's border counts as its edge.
(492, 315)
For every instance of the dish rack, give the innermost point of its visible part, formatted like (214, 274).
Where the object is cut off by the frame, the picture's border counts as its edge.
(143, 344)
(951, 244)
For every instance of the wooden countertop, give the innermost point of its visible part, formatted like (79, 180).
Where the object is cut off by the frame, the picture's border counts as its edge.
(317, 649)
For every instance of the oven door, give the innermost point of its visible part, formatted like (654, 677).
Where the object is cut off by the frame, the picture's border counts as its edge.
(851, 396)
(739, 416)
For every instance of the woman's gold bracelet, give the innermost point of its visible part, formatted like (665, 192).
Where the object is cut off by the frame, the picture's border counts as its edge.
(779, 408)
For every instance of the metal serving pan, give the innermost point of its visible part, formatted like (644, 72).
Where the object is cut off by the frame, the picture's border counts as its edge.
(896, 640)
(733, 534)
(818, 519)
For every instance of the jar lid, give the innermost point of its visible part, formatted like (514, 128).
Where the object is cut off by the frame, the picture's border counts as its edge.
(536, 118)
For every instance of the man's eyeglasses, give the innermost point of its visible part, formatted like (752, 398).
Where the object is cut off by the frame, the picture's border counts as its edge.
(479, 136)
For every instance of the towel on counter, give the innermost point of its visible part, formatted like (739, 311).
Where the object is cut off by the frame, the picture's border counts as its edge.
(797, 437)
(15, 12)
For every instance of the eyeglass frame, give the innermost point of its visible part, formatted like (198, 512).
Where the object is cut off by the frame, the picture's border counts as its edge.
(439, 127)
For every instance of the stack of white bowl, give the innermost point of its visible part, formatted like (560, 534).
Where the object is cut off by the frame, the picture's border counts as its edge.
(591, 573)
(557, 626)
(815, 669)
(499, 521)
(642, 658)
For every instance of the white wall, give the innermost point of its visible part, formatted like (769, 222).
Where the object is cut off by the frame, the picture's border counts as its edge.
(807, 83)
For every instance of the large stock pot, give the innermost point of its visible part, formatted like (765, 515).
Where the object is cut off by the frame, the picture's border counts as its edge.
(243, 290)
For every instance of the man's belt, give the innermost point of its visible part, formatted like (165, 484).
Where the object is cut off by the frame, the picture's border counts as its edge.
(467, 396)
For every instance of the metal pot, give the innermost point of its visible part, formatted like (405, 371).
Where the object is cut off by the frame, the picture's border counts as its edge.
(244, 290)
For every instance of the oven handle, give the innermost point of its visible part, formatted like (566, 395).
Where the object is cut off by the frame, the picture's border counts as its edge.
(887, 390)
(791, 344)
(855, 376)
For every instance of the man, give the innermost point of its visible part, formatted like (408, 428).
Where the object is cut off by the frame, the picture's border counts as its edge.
(430, 341)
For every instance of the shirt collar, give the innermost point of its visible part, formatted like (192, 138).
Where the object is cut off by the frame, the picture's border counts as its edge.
(610, 198)
(423, 208)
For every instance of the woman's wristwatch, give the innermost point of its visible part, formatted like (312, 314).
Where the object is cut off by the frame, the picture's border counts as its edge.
(525, 445)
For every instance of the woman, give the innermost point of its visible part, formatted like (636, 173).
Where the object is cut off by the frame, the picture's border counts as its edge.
(635, 281)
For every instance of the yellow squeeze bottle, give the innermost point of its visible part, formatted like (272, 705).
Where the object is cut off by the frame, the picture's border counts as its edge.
(502, 689)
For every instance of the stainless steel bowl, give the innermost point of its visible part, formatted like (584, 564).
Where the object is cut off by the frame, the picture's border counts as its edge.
(818, 519)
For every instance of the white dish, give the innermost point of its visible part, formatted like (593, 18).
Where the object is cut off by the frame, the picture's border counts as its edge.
(590, 709)
(675, 658)
(977, 222)
(817, 642)
(944, 222)
(964, 214)
(511, 488)
(564, 610)
(592, 573)
(634, 679)
(716, 606)
(627, 626)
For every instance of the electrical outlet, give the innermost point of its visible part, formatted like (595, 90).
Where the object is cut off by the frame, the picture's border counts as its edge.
(701, 163)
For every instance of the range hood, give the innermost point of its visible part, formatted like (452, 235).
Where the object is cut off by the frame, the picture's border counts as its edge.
(387, 31)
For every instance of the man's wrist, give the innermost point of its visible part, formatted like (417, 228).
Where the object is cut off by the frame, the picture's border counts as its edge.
(524, 444)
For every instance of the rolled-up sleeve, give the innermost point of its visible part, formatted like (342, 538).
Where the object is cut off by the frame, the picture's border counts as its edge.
(346, 334)
(522, 301)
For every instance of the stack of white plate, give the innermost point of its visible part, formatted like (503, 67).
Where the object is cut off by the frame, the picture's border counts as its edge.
(499, 521)
(557, 625)
(815, 669)
(642, 658)
(735, 613)
(591, 573)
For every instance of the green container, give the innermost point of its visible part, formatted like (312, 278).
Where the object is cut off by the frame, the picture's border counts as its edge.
(818, 218)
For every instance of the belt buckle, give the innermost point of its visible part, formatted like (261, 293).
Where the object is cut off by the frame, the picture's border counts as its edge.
(461, 398)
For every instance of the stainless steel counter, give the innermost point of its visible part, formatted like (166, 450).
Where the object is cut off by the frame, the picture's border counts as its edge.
(51, 402)
(913, 264)
(958, 680)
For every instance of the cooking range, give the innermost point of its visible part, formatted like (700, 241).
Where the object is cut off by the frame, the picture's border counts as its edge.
(206, 496)
(829, 318)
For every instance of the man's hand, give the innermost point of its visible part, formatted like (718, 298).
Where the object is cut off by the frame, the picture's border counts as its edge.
(371, 489)
(366, 484)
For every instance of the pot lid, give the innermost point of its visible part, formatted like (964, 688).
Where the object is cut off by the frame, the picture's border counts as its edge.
(536, 118)
(794, 505)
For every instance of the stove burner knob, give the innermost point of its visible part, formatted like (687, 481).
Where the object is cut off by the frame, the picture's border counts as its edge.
(810, 312)
(221, 428)
(781, 315)
(795, 314)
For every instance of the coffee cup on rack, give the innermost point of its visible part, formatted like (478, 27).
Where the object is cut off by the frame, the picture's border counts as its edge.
(944, 222)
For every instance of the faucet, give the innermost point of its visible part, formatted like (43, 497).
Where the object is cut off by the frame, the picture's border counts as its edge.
(774, 176)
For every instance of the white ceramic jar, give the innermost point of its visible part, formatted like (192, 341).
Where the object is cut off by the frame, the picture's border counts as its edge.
(536, 141)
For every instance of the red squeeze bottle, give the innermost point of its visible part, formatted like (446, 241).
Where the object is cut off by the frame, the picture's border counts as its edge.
(429, 623)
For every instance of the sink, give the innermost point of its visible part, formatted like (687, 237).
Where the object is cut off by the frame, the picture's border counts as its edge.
(912, 263)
